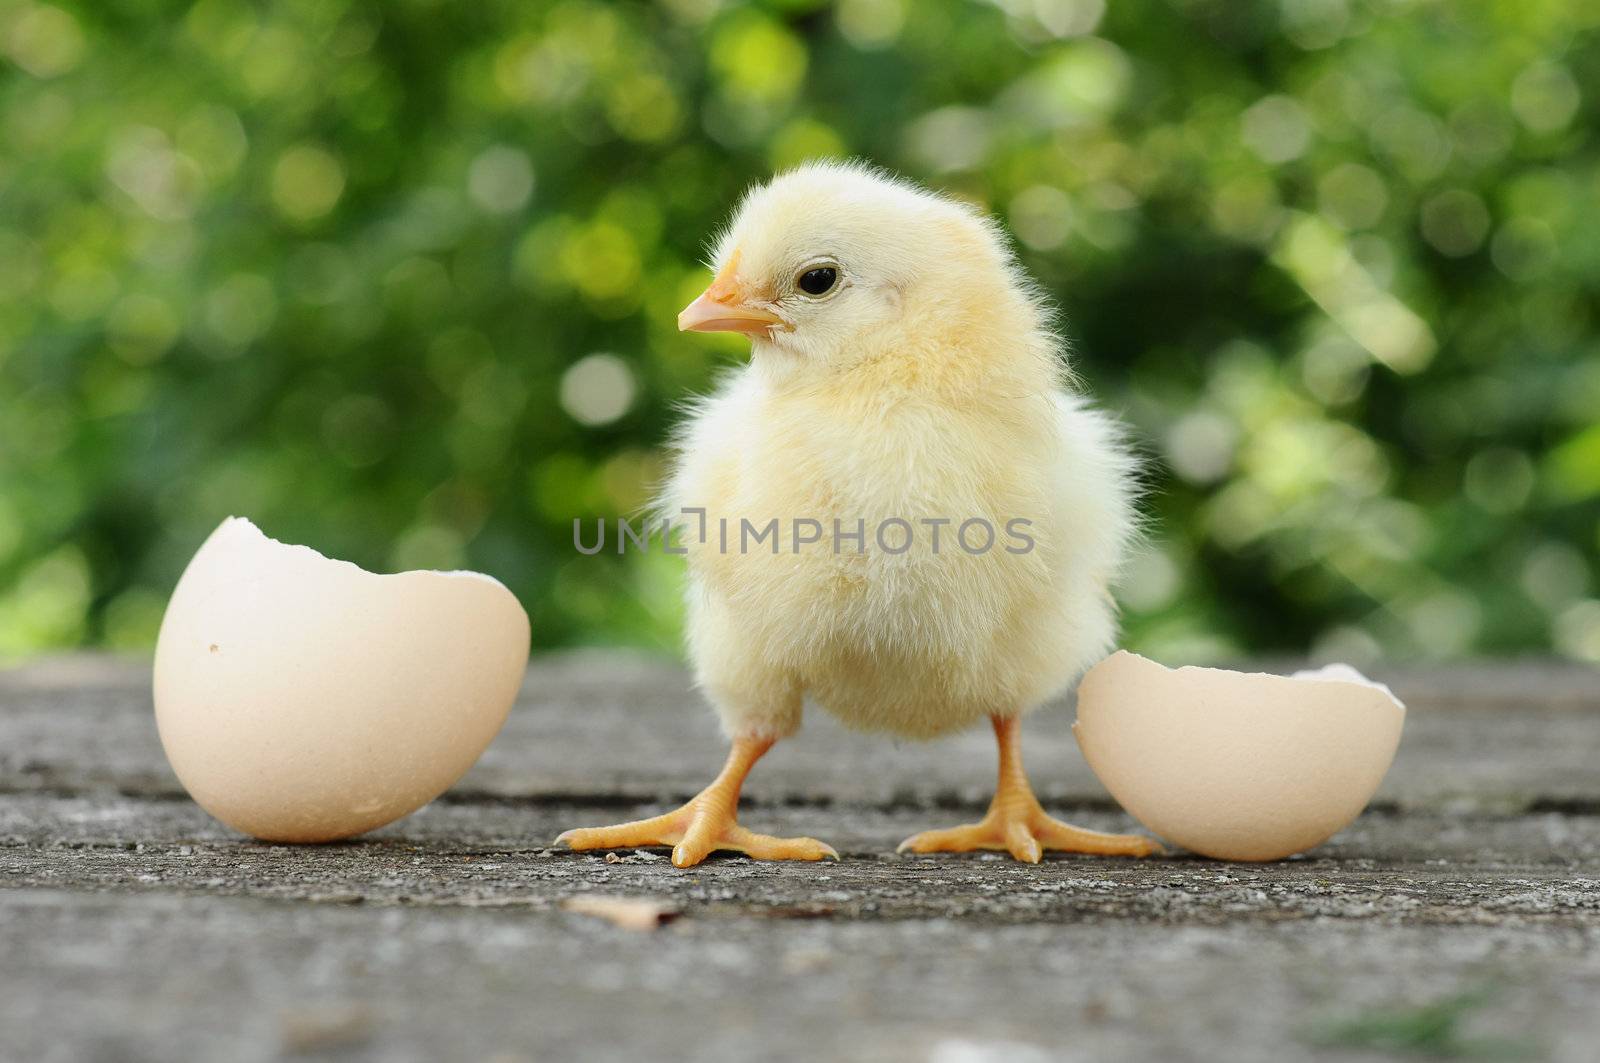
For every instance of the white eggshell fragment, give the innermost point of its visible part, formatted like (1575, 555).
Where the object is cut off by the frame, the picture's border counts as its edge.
(302, 699)
(1233, 765)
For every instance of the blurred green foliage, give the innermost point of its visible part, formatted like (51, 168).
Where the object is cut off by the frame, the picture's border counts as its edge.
(399, 281)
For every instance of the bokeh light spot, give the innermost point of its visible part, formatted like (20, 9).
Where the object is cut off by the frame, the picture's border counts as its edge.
(41, 39)
(758, 58)
(1200, 446)
(1276, 128)
(1544, 97)
(1041, 216)
(801, 141)
(307, 182)
(428, 546)
(1577, 631)
(1499, 479)
(597, 389)
(500, 179)
(951, 138)
(1352, 196)
(870, 24)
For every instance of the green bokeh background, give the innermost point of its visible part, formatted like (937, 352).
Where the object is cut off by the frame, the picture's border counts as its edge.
(398, 281)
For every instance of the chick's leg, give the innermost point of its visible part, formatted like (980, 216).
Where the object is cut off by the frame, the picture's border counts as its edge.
(1017, 823)
(707, 823)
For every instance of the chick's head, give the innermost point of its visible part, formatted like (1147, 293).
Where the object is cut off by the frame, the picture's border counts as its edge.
(827, 264)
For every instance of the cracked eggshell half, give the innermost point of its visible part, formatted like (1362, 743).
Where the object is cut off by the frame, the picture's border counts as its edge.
(302, 699)
(1233, 765)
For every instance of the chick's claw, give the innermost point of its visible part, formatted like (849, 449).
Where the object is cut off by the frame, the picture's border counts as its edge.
(707, 823)
(659, 830)
(1027, 838)
(694, 848)
(693, 834)
(1054, 834)
(1017, 824)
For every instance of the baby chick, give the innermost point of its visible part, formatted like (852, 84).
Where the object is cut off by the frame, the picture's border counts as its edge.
(949, 512)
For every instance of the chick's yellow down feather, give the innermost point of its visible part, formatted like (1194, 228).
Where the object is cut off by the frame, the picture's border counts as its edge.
(927, 389)
(898, 508)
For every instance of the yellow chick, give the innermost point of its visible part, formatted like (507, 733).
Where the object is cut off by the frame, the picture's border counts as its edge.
(898, 508)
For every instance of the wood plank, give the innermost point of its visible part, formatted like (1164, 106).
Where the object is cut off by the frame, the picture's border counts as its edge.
(602, 725)
(132, 926)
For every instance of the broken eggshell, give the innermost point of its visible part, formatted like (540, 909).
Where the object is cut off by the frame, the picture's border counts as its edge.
(302, 699)
(1234, 765)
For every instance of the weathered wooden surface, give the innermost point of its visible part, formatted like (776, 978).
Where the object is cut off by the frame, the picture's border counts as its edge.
(1461, 913)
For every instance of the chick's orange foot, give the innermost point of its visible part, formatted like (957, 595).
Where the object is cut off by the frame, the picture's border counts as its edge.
(695, 833)
(1026, 835)
(1017, 824)
(705, 825)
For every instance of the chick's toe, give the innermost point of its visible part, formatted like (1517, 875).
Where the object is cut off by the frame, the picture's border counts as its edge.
(708, 823)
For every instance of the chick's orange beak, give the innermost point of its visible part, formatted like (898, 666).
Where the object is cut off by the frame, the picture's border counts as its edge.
(710, 314)
(720, 309)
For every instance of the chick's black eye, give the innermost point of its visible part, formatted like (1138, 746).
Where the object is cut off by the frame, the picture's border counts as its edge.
(818, 281)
